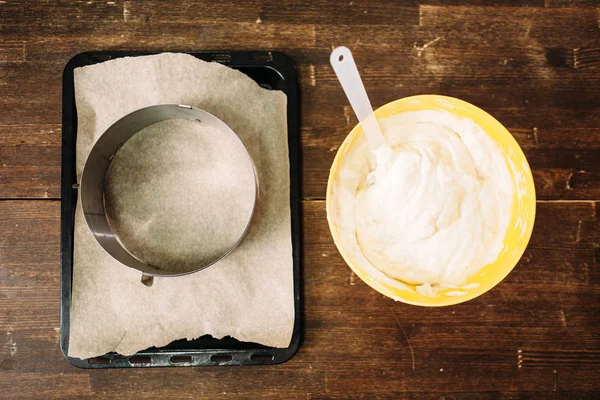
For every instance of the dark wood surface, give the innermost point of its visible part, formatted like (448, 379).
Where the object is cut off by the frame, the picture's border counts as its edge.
(533, 64)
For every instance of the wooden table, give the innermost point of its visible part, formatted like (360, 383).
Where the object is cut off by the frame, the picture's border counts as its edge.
(533, 64)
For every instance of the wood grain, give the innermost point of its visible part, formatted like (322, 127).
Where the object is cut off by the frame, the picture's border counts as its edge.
(45, 386)
(532, 64)
(543, 80)
(340, 12)
(547, 308)
(30, 160)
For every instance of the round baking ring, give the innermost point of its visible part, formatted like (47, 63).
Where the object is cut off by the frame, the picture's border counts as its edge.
(92, 185)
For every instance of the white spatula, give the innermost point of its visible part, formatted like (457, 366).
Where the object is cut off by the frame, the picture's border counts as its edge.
(343, 64)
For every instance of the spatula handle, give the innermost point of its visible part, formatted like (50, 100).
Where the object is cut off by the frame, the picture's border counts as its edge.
(343, 64)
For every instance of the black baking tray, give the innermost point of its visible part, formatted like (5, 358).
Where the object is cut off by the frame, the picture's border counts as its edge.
(271, 70)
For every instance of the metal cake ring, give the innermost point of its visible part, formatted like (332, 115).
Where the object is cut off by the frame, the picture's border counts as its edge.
(92, 187)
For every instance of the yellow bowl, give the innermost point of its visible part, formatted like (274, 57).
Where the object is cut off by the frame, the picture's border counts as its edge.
(518, 231)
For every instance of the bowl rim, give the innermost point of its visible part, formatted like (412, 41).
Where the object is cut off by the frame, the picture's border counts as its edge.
(422, 300)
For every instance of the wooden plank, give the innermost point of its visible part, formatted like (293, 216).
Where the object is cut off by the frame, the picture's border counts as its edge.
(29, 290)
(30, 161)
(47, 56)
(542, 304)
(570, 274)
(558, 173)
(491, 75)
(416, 70)
(561, 143)
(65, 15)
(339, 12)
(10, 27)
(30, 236)
(454, 379)
(518, 105)
(554, 262)
(191, 12)
(546, 25)
(531, 63)
(517, 81)
(30, 152)
(45, 385)
(491, 36)
(172, 36)
(486, 3)
(572, 3)
(551, 217)
(472, 395)
(12, 51)
(187, 383)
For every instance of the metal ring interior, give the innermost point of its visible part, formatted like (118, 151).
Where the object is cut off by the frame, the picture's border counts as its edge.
(97, 164)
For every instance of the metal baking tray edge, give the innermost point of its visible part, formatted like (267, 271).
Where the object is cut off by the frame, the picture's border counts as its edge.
(271, 70)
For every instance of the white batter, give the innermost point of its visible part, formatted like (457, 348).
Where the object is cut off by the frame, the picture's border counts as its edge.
(435, 210)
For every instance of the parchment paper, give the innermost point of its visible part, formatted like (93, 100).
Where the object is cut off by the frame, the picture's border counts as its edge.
(249, 294)
(179, 194)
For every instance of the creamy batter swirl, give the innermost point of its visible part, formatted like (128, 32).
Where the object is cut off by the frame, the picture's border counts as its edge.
(436, 209)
